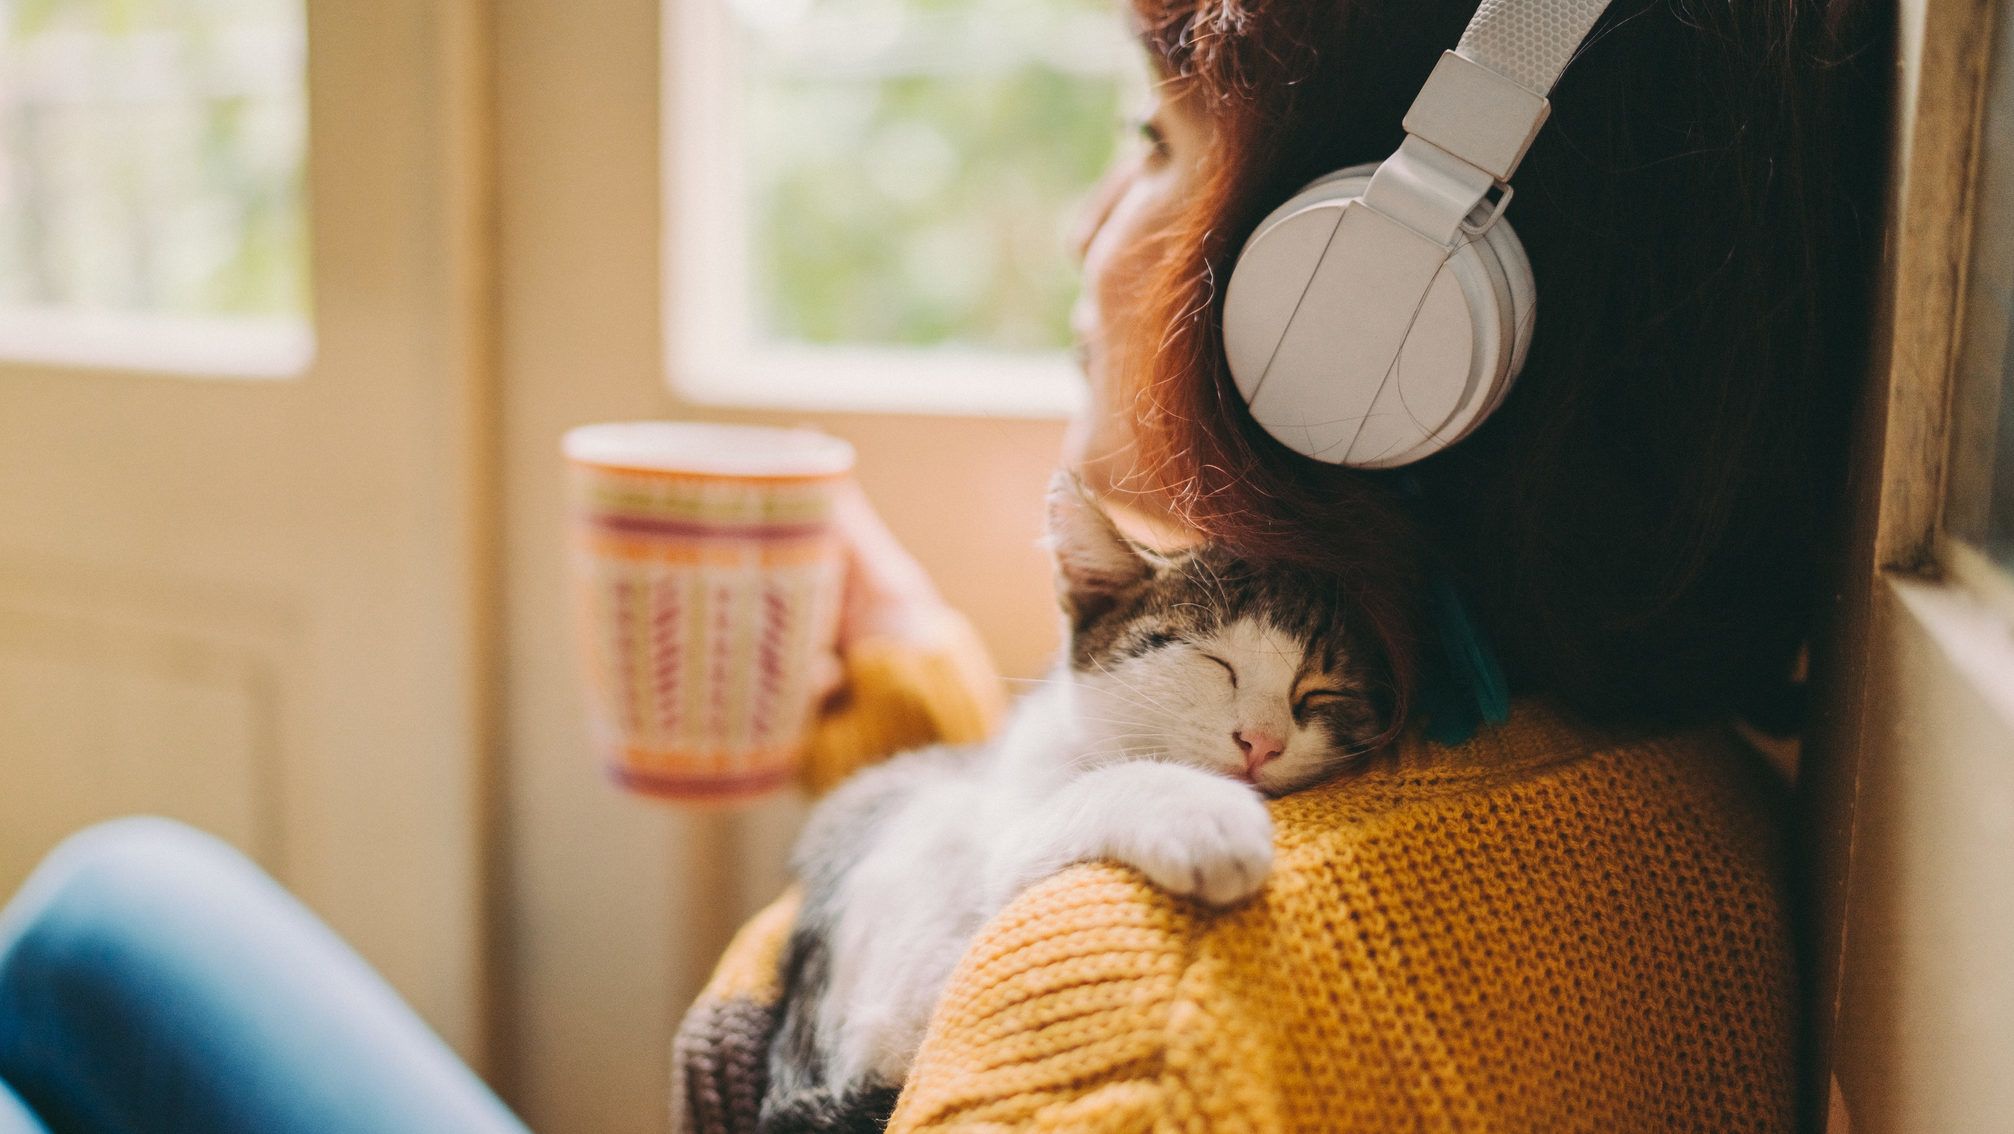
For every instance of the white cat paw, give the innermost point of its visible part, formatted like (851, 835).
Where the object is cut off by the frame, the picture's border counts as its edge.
(1196, 836)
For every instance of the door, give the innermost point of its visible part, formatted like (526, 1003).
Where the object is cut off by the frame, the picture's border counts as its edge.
(243, 560)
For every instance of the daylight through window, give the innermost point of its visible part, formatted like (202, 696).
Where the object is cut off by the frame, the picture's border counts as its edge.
(873, 198)
(914, 164)
(151, 168)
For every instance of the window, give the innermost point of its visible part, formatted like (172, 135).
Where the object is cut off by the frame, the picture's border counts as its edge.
(1979, 511)
(872, 198)
(150, 184)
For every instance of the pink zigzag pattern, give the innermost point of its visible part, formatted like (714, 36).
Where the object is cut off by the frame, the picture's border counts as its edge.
(667, 653)
(769, 660)
(717, 685)
(625, 651)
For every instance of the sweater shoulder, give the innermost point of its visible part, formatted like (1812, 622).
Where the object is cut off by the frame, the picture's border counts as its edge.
(1543, 924)
(1519, 789)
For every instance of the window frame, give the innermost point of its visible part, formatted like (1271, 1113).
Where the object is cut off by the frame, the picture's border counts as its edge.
(1924, 460)
(176, 344)
(157, 345)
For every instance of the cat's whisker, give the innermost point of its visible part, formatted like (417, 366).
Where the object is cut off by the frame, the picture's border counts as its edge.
(1120, 722)
(1131, 695)
(1067, 681)
(1152, 702)
(1144, 706)
(1136, 702)
(1216, 580)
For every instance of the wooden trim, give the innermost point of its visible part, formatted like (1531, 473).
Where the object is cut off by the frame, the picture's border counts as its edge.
(385, 798)
(1942, 92)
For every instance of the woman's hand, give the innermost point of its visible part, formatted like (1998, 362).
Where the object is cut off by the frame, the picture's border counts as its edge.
(887, 593)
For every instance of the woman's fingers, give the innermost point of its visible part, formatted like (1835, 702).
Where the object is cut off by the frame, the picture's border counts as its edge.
(888, 593)
(828, 677)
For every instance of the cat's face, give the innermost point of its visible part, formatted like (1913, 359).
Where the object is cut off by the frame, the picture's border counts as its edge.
(1205, 660)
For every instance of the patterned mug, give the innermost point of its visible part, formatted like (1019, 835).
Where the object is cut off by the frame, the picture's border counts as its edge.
(707, 581)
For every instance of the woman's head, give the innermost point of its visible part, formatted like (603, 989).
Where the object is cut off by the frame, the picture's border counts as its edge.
(1639, 526)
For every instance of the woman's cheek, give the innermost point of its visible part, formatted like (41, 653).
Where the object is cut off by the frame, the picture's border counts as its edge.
(1105, 256)
(1117, 258)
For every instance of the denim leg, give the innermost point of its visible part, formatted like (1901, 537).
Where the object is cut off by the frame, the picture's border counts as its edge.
(154, 981)
(14, 1115)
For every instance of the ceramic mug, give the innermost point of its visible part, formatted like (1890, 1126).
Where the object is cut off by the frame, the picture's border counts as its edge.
(707, 580)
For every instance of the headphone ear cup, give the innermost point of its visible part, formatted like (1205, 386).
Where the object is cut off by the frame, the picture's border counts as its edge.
(1498, 286)
(1361, 171)
(1516, 265)
(1271, 277)
(1458, 342)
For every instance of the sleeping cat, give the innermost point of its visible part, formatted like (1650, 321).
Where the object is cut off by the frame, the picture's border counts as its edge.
(1193, 687)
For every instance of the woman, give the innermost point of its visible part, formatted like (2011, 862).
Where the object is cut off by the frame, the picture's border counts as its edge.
(1575, 920)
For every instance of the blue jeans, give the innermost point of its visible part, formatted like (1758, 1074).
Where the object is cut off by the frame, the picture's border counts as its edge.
(152, 980)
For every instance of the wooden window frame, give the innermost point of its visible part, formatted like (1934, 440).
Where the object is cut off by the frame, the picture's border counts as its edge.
(1911, 785)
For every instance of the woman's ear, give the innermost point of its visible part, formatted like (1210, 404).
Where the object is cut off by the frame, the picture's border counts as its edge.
(1095, 562)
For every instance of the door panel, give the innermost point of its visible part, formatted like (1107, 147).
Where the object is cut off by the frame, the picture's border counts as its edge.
(111, 712)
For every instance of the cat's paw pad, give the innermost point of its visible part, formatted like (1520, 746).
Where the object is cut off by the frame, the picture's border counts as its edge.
(1213, 842)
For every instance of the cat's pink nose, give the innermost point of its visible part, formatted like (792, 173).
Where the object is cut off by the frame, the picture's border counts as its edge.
(1258, 748)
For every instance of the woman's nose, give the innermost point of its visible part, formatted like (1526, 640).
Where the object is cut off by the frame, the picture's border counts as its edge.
(1098, 207)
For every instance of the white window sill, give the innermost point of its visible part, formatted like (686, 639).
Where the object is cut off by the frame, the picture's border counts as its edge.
(946, 382)
(1971, 624)
(172, 345)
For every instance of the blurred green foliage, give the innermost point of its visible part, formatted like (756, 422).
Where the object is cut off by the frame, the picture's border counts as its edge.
(921, 191)
(151, 156)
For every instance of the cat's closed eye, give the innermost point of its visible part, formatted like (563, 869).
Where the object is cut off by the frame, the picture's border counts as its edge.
(1315, 698)
(1228, 667)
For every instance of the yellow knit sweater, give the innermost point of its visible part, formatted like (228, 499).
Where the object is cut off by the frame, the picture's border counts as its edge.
(1545, 929)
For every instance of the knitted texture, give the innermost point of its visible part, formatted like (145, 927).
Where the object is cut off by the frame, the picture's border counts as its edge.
(1545, 928)
(718, 1056)
(936, 686)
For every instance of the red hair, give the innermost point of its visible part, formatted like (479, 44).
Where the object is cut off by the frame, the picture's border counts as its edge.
(1639, 528)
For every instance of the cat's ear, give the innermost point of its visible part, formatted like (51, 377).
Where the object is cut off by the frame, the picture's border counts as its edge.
(1095, 562)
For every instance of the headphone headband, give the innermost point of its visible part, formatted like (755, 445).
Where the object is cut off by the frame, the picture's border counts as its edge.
(1529, 42)
(1482, 106)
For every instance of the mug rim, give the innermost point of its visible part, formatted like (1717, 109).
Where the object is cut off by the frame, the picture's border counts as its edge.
(625, 447)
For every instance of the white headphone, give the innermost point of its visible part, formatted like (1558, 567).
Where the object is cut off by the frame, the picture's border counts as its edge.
(1383, 312)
